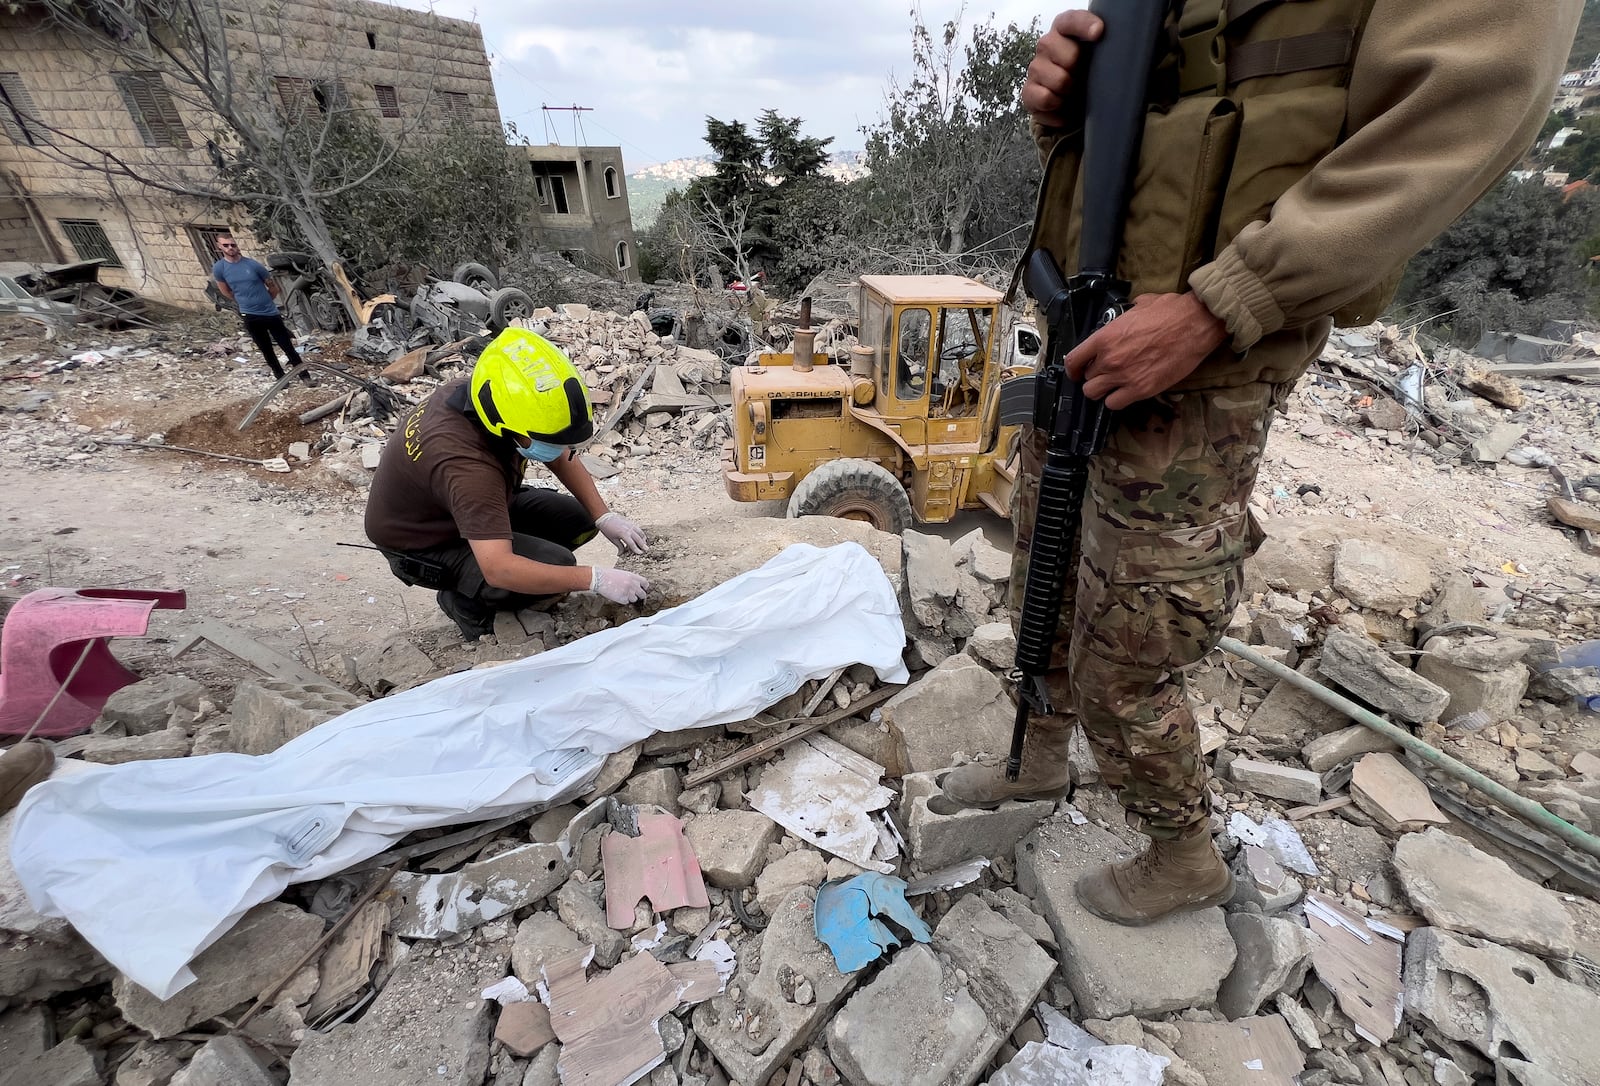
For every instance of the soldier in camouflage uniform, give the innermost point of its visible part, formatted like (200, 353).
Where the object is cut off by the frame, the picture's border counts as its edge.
(1289, 169)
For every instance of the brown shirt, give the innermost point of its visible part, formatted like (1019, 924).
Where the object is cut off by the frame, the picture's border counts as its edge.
(442, 478)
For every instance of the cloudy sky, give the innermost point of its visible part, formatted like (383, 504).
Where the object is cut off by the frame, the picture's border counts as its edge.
(652, 70)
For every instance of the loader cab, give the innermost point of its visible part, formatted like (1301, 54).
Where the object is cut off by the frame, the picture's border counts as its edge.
(932, 343)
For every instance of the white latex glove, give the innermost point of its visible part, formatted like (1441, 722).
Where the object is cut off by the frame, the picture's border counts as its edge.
(618, 585)
(624, 534)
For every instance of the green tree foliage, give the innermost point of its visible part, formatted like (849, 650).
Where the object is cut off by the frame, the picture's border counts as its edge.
(1516, 259)
(767, 207)
(953, 168)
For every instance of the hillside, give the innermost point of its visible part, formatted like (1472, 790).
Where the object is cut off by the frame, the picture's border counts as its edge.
(648, 187)
(1587, 44)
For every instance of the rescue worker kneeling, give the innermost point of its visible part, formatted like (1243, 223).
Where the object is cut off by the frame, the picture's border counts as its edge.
(448, 506)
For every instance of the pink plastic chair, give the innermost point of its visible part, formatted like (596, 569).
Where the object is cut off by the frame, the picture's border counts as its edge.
(43, 637)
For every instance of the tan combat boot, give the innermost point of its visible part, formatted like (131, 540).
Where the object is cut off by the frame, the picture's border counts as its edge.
(1185, 873)
(1046, 773)
(22, 767)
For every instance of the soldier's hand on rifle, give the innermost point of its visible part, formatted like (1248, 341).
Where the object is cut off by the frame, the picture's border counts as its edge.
(1045, 91)
(1147, 350)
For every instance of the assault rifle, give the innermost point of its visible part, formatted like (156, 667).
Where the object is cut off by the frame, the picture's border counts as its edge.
(1072, 309)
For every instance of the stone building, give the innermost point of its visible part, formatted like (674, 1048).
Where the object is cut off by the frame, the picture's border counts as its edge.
(413, 70)
(581, 195)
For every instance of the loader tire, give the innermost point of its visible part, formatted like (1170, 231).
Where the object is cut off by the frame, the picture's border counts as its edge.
(853, 490)
(477, 277)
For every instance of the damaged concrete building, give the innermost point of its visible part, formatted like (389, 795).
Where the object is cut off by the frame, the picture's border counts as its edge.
(58, 100)
(581, 197)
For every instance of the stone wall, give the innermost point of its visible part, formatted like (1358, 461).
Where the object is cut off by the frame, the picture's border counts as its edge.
(437, 68)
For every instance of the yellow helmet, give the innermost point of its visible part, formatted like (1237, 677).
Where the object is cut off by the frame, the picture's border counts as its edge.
(524, 384)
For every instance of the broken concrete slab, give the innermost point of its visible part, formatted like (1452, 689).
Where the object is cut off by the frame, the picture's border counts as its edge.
(922, 1021)
(994, 644)
(396, 663)
(1574, 514)
(225, 1061)
(151, 1063)
(1279, 781)
(1492, 447)
(732, 846)
(69, 1063)
(432, 1006)
(1335, 748)
(1259, 879)
(25, 1033)
(267, 713)
(1505, 1003)
(147, 705)
(658, 787)
(1464, 890)
(689, 558)
(540, 938)
(1040, 1064)
(942, 834)
(756, 1026)
(1288, 714)
(578, 906)
(802, 867)
(258, 950)
(1248, 1052)
(912, 1025)
(931, 578)
(1383, 787)
(168, 743)
(1477, 678)
(1274, 954)
(1175, 963)
(1370, 673)
(958, 707)
(1004, 966)
(1380, 577)
(437, 906)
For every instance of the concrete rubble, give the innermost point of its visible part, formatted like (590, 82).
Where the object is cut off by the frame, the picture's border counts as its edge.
(1020, 986)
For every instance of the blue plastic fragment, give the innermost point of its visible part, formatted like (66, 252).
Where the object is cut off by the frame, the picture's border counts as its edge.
(847, 912)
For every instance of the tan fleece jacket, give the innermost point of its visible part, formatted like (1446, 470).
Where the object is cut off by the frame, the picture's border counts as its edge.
(1443, 98)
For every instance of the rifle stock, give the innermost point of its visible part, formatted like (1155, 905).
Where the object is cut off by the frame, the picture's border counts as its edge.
(1072, 310)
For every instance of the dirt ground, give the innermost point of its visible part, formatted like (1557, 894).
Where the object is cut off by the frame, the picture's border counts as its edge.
(260, 550)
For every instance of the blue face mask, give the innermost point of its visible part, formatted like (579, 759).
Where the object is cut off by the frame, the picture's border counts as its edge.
(542, 451)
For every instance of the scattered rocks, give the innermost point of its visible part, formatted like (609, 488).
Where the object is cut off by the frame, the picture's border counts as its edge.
(430, 1011)
(146, 706)
(267, 713)
(931, 578)
(1480, 676)
(1336, 748)
(225, 1061)
(941, 834)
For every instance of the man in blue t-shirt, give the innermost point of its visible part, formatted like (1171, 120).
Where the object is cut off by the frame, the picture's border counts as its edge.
(250, 286)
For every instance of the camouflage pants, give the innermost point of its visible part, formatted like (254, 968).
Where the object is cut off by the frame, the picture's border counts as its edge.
(1166, 530)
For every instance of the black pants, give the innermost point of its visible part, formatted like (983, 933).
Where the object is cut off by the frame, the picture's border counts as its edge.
(266, 329)
(546, 526)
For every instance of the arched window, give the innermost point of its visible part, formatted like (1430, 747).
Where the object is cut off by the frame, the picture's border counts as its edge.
(622, 256)
(611, 183)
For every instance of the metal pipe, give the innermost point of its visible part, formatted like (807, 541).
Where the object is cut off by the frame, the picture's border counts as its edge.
(805, 338)
(1520, 805)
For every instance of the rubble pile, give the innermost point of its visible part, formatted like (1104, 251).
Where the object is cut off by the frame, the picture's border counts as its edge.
(1389, 925)
(949, 946)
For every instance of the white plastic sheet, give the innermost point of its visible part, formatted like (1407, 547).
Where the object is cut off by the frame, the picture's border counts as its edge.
(154, 861)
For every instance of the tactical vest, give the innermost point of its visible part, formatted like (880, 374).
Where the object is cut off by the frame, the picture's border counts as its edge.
(1249, 96)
